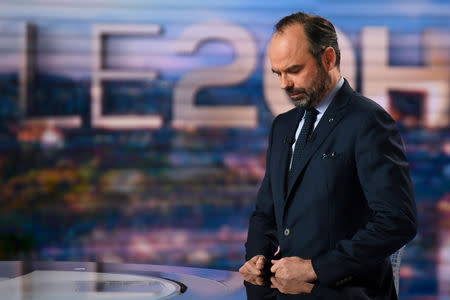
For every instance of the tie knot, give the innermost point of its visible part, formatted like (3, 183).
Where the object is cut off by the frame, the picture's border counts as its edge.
(311, 112)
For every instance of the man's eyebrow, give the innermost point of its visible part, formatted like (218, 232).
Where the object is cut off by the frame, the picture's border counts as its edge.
(292, 68)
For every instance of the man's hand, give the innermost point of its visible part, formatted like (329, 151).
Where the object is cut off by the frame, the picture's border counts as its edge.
(253, 279)
(291, 286)
(293, 267)
(254, 266)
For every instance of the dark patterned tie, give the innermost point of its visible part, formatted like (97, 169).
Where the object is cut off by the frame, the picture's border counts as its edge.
(308, 125)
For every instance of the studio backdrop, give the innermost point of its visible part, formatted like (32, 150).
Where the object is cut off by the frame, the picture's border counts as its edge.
(135, 131)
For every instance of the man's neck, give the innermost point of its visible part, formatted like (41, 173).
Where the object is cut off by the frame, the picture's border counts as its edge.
(335, 76)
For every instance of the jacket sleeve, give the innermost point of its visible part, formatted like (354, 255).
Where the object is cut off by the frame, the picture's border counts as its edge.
(383, 172)
(261, 238)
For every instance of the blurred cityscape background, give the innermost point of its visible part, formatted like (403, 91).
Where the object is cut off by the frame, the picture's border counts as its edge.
(135, 131)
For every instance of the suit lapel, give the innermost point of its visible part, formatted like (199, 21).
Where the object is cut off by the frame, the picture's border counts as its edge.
(287, 131)
(334, 113)
(285, 157)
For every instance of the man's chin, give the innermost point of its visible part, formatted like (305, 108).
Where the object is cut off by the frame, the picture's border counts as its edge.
(303, 103)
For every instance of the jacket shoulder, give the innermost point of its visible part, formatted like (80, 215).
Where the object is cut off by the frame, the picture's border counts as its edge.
(367, 108)
(286, 117)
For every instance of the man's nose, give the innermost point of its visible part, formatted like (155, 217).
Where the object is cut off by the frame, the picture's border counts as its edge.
(285, 82)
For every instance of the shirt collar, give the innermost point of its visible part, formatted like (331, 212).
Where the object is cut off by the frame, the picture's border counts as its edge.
(323, 105)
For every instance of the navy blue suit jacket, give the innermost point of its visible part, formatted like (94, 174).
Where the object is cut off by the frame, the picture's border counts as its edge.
(352, 203)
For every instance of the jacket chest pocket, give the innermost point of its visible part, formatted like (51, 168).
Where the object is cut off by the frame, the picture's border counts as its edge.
(339, 172)
(335, 161)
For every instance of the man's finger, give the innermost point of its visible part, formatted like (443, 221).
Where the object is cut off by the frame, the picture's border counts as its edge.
(260, 262)
(275, 283)
(243, 269)
(259, 280)
(251, 268)
(276, 265)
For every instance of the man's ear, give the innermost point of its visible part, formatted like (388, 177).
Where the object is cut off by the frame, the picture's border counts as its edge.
(329, 58)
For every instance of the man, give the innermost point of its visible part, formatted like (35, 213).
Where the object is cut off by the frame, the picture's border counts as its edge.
(336, 199)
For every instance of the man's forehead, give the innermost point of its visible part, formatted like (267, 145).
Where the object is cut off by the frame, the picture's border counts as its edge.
(288, 47)
(291, 38)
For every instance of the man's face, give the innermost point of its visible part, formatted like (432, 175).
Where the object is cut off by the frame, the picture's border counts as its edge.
(304, 81)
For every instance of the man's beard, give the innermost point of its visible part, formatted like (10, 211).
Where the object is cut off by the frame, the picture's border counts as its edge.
(315, 94)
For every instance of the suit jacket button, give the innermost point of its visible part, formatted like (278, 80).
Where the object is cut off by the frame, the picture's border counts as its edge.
(287, 232)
